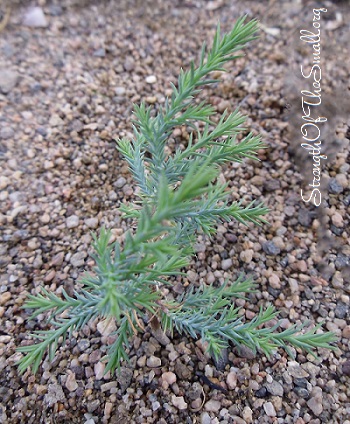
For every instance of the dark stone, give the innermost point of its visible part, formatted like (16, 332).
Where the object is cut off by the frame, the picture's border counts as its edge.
(124, 377)
(274, 292)
(270, 248)
(284, 262)
(222, 361)
(58, 63)
(322, 312)
(246, 352)
(19, 235)
(272, 185)
(300, 382)
(42, 131)
(341, 310)
(304, 217)
(83, 345)
(301, 392)
(334, 187)
(195, 391)
(224, 254)
(346, 200)
(341, 261)
(231, 238)
(80, 392)
(36, 87)
(309, 294)
(55, 10)
(79, 372)
(336, 230)
(182, 371)
(262, 392)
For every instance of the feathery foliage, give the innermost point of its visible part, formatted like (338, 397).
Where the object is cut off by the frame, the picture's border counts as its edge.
(180, 195)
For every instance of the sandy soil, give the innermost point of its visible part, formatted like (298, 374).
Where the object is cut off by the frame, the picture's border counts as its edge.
(66, 92)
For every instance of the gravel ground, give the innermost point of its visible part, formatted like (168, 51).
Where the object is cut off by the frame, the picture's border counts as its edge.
(66, 91)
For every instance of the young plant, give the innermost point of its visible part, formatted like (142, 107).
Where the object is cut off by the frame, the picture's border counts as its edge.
(179, 195)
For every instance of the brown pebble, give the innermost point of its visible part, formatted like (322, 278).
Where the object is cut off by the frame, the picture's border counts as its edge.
(50, 276)
(4, 298)
(57, 260)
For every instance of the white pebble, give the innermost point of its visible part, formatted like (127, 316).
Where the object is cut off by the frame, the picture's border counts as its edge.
(169, 378)
(269, 409)
(231, 380)
(208, 371)
(119, 91)
(205, 418)
(247, 415)
(179, 402)
(151, 79)
(34, 17)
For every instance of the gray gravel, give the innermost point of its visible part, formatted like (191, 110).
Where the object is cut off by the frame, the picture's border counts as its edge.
(70, 72)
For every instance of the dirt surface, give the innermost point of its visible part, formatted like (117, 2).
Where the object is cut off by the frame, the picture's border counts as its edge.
(66, 92)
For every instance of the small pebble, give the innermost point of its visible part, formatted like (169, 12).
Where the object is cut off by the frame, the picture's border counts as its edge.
(334, 187)
(275, 388)
(315, 404)
(34, 17)
(92, 223)
(275, 281)
(301, 392)
(121, 181)
(154, 362)
(71, 383)
(6, 133)
(346, 368)
(246, 255)
(99, 369)
(151, 79)
(271, 249)
(169, 378)
(179, 402)
(205, 418)
(304, 217)
(5, 297)
(231, 380)
(8, 80)
(269, 409)
(119, 91)
(226, 264)
(78, 259)
(72, 221)
(212, 406)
